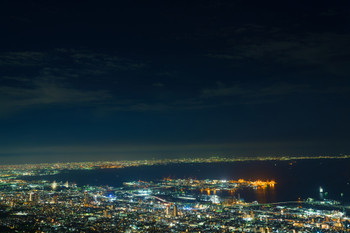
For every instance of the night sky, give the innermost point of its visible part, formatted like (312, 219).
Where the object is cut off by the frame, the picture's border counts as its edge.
(95, 80)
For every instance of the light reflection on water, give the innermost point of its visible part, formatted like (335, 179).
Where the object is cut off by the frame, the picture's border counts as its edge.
(265, 195)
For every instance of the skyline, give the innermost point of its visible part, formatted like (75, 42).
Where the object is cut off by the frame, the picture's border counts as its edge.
(103, 164)
(98, 81)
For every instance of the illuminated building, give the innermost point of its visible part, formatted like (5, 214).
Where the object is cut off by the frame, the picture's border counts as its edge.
(86, 199)
(54, 185)
(175, 211)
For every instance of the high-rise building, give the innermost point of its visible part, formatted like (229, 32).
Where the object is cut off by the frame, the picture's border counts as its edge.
(167, 210)
(175, 210)
(86, 199)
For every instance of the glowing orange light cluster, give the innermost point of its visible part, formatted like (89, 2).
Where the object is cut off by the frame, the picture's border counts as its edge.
(257, 183)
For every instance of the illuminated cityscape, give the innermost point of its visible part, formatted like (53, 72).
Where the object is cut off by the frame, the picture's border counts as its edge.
(55, 168)
(165, 205)
(201, 116)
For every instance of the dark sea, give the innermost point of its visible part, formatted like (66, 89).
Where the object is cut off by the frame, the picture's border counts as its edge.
(295, 179)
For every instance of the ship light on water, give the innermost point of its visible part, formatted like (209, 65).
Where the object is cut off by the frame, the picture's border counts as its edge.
(321, 190)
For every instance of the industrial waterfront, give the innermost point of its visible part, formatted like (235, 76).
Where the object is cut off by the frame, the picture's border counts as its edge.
(296, 178)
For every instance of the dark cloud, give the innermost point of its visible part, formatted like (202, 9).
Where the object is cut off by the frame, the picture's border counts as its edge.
(25, 58)
(69, 58)
(158, 84)
(99, 60)
(60, 76)
(328, 52)
(217, 72)
(281, 89)
(45, 91)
